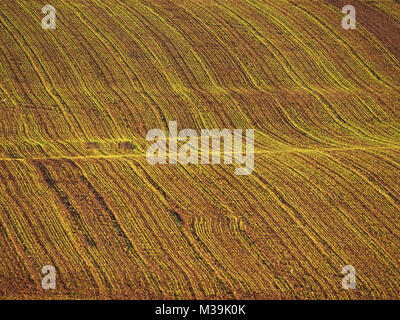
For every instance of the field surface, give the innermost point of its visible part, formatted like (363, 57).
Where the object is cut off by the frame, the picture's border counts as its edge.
(76, 191)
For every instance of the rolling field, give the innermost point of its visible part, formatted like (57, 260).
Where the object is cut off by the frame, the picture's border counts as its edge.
(77, 192)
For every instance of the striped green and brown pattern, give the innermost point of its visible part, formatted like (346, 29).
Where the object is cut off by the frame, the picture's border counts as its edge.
(77, 192)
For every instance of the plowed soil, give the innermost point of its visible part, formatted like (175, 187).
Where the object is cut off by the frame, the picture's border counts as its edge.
(76, 191)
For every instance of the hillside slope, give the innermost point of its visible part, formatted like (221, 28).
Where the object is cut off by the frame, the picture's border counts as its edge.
(76, 191)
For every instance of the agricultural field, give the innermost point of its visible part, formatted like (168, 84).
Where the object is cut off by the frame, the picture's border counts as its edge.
(76, 190)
